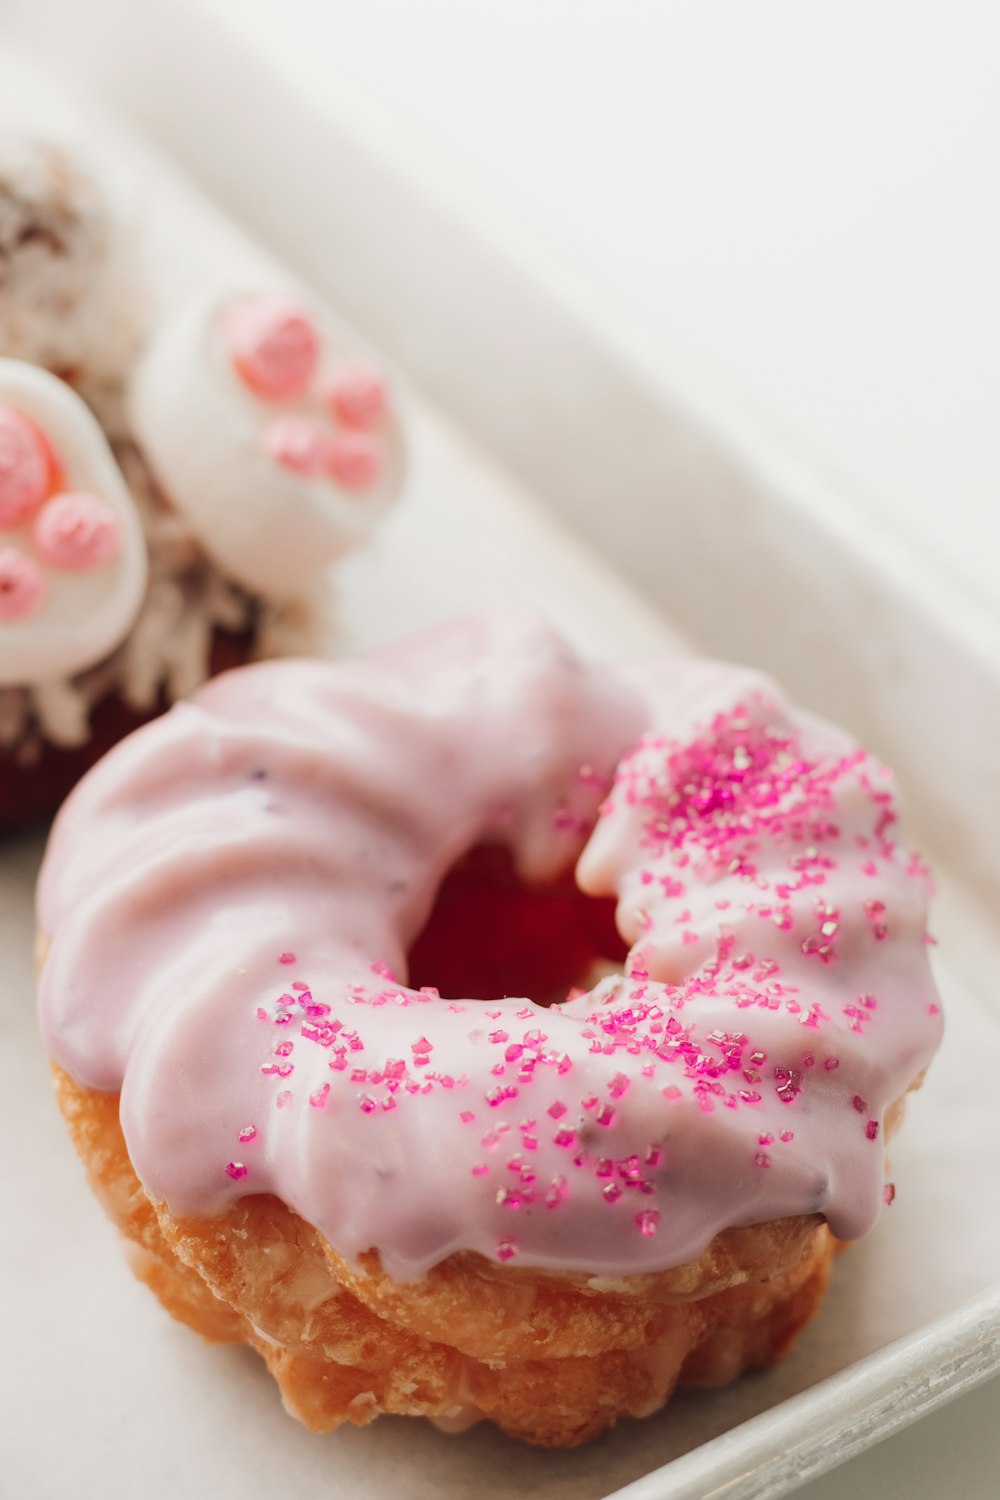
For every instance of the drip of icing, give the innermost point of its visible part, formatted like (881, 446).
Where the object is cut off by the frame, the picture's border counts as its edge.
(232, 949)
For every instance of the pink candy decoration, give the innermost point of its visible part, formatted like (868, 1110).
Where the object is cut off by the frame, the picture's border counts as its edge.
(353, 461)
(21, 584)
(77, 532)
(298, 444)
(26, 467)
(357, 397)
(274, 346)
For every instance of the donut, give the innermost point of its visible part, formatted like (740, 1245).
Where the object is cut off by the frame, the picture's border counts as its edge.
(481, 1033)
(281, 444)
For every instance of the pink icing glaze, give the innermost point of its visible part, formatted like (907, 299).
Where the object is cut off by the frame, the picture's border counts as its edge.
(22, 586)
(353, 460)
(231, 893)
(357, 397)
(26, 467)
(77, 532)
(274, 346)
(297, 443)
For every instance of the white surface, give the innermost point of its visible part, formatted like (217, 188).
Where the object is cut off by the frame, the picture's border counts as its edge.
(141, 1403)
(797, 196)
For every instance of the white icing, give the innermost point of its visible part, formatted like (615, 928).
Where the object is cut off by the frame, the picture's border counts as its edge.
(84, 615)
(274, 530)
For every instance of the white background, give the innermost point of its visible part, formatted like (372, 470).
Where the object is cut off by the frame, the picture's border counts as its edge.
(801, 197)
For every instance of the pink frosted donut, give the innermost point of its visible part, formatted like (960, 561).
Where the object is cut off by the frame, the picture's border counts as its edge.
(233, 898)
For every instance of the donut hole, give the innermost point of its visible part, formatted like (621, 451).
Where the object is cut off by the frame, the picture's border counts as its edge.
(490, 935)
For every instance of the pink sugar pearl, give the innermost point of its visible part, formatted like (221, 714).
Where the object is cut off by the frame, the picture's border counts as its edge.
(274, 346)
(353, 461)
(298, 444)
(22, 586)
(77, 532)
(357, 397)
(25, 467)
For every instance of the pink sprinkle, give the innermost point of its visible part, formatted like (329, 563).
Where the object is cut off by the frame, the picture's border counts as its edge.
(261, 1013)
(611, 1192)
(671, 1091)
(357, 397)
(318, 1100)
(605, 1115)
(564, 1137)
(248, 1133)
(236, 1170)
(831, 1063)
(274, 346)
(77, 532)
(286, 958)
(22, 585)
(283, 1099)
(859, 1104)
(498, 1036)
(618, 1084)
(762, 1159)
(513, 1051)
(556, 1109)
(647, 1222)
(871, 1130)
(556, 1192)
(480, 1169)
(506, 1248)
(787, 1135)
(367, 1104)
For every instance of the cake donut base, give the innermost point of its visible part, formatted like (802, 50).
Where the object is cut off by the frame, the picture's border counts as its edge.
(550, 1359)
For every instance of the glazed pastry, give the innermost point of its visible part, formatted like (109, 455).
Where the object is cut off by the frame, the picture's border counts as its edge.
(286, 996)
(261, 452)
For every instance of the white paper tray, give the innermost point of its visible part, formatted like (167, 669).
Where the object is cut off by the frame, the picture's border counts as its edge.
(142, 1406)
